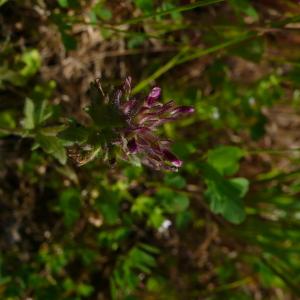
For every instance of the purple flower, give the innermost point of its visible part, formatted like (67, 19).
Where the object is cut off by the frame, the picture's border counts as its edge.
(153, 96)
(141, 118)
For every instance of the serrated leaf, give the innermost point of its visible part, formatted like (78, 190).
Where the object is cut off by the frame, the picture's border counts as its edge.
(105, 115)
(42, 112)
(35, 113)
(75, 133)
(52, 145)
(225, 159)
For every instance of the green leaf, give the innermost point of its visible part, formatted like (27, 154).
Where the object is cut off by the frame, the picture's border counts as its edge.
(52, 145)
(172, 201)
(145, 5)
(63, 3)
(175, 180)
(156, 217)
(177, 203)
(136, 41)
(36, 108)
(69, 205)
(242, 184)
(110, 212)
(143, 205)
(85, 290)
(244, 6)
(225, 196)
(183, 218)
(225, 159)
(101, 12)
(3, 2)
(29, 108)
(104, 115)
(7, 119)
(75, 133)
(32, 61)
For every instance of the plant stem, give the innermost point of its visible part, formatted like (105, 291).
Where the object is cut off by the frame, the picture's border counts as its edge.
(171, 10)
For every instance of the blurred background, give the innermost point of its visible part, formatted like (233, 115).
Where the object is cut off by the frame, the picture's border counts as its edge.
(226, 226)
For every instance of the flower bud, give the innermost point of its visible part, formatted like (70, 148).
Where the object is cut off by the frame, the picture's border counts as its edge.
(169, 156)
(153, 96)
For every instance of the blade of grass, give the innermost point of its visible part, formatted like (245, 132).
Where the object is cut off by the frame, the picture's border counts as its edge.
(165, 68)
(282, 276)
(171, 10)
(184, 56)
(284, 22)
(281, 176)
(227, 287)
(202, 52)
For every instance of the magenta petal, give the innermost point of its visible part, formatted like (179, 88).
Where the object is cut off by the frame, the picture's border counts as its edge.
(172, 158)
(127, 84)
(153, 96)
(177, 163)
(182, 110)
(129, 106)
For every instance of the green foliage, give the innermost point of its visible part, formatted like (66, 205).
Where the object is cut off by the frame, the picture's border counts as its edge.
(175, 180)
(125, 277)
(99, 11)
(32, 63)
(64, 28)
(74, 134)
(145, 5)
(70, 204)
(172, 201)
(225, 159)
(244, 6)
(24, 67)
(52, 145)
(225, 226)
(225, 195)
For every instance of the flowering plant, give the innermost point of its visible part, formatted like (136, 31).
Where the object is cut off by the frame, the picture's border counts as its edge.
(126, 125)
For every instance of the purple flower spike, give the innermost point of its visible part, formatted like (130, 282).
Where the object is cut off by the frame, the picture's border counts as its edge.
(140, 120)
(132, 146)
(153, 96)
